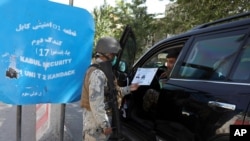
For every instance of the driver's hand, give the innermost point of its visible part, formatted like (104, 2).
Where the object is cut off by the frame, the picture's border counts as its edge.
(165, 74)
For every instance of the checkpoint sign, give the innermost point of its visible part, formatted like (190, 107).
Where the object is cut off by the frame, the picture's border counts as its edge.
(46, 48)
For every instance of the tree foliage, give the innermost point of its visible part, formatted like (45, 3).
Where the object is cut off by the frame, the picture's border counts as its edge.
(112, 20)
(186, 14)
(103, 20)
(180, 16)
(136, 16)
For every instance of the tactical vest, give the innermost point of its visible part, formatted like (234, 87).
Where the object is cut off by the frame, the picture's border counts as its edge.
(107, 97)
(85, 90)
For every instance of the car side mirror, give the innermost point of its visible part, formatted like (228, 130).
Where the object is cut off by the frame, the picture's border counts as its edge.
(122, 66)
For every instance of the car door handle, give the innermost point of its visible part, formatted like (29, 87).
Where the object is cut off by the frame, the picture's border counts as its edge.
(221, 105)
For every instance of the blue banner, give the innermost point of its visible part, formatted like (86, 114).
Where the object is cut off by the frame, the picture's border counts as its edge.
(46, 49)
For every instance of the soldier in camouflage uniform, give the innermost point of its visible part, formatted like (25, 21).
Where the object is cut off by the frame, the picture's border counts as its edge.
(95, 100)
(151, 96)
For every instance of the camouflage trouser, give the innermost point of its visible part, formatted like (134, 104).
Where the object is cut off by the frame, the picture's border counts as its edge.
(150, 99)
(94, 135)
(97, 133)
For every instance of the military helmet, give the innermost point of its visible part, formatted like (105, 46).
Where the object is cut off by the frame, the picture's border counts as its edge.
(108, 45)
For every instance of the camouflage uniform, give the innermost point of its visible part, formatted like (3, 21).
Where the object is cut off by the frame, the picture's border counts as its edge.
(96, 118)
(96, 98)
(98, 114)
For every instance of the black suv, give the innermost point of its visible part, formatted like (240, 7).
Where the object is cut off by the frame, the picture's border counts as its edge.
(207, 91)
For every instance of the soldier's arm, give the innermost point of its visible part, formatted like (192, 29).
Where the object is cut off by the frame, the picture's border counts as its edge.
(127, 89)
(96, 97)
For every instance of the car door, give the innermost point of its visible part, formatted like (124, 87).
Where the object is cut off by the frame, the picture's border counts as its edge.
(123, 65)
(126, 57)
(214, 99)
(134, 118)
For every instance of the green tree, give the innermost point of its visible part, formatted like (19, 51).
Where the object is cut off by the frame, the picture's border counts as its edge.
(181, 16)
(186, 14)
(135, 15)
(111, 21)
(103, 20)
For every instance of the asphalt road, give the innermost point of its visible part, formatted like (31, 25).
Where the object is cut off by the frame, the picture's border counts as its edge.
(8, 124)
(73, 120)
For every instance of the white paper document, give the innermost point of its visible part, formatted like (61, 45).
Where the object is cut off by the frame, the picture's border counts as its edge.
(144, 76)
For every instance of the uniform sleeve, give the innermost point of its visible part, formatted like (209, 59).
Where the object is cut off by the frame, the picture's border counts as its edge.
(125, 90)
(96, 97)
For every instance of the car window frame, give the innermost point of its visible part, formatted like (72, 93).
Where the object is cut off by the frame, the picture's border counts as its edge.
(155, 49)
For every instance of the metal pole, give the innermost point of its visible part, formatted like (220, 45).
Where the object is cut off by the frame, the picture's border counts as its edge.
(63, 106)
(71, 2)
(62, 120)
(18, 123)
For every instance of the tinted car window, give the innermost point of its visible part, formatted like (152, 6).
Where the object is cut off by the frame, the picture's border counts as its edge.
(242, 71)
(211, 57)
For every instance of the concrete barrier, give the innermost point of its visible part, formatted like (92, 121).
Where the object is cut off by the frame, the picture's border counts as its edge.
(49, 123)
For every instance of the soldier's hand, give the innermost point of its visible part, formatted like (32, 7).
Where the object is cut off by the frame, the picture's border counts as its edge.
(134, 87)
(107, 131)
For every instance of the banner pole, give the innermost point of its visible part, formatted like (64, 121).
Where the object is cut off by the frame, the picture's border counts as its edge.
(63, 106)
(18, 122)
(71, 2)
(62, 120)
